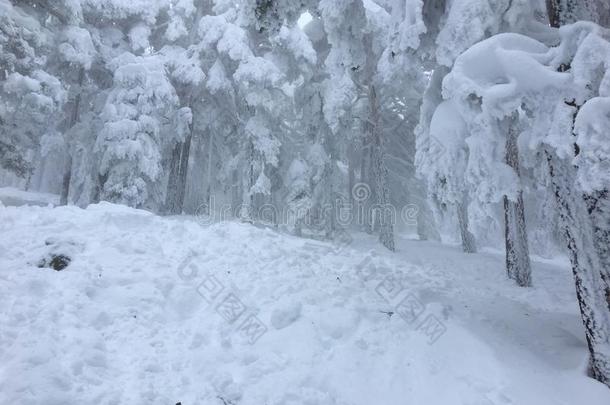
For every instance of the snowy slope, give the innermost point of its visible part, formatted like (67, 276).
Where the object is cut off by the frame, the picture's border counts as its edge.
(137, 318)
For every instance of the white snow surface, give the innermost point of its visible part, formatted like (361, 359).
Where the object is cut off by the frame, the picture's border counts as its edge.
(15, 197)
(124, 323)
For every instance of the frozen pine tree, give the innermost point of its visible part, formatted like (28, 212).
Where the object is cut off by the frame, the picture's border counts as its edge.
(140, 106)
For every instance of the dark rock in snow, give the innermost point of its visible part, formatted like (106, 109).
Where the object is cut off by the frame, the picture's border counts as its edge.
(55, 261)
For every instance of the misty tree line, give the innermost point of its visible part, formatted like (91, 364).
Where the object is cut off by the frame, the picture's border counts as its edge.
(491, 116)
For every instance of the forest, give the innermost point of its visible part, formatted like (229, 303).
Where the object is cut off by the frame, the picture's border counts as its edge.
(479, 124)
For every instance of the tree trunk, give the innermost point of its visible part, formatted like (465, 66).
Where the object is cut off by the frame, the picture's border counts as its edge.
(65, 185)
(208, 190)
(598, 208)
(384, 214)
(178, 171)
(585, 226)
(578, 231)
(247, 210)
(183, 172)
(351, 174)
(364, 204)
(176, 184)
(67, 178)
(468, 240)
(518, 265)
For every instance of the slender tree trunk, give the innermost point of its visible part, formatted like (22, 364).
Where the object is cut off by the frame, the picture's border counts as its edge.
(178, 172)
(351, 174)
(184, 162)
(41, 172)
(384, 213)
(364, 204)
(172, 180)
(208, 185)
(176, 183)
(330, 220)
(468, 240)
(65, 184)
(67, 178)
(518, 265)
(246, 211)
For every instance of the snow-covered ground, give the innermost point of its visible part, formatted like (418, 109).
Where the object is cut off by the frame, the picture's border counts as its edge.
(138, 317)
(15, 197)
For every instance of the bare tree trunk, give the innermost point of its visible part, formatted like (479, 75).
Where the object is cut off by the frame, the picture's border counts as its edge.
(468, 240)
(67, 178)
(518, 265)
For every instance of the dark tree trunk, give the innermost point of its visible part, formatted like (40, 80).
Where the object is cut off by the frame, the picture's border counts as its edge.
(178, 170)
(562, 11)
(518, 265)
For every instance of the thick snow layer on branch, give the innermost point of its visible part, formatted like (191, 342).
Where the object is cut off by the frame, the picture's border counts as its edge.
(592, 128)
(337, 94)
(263, 140)
(184, 65)
(503, 71)
(217, 78)
(448, 132)
(77, 47)
(298, 43)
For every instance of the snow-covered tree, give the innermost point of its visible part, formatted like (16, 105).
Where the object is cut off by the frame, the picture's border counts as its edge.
(30, 98)
(518, 95)
(140, 104)
(464, 23)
